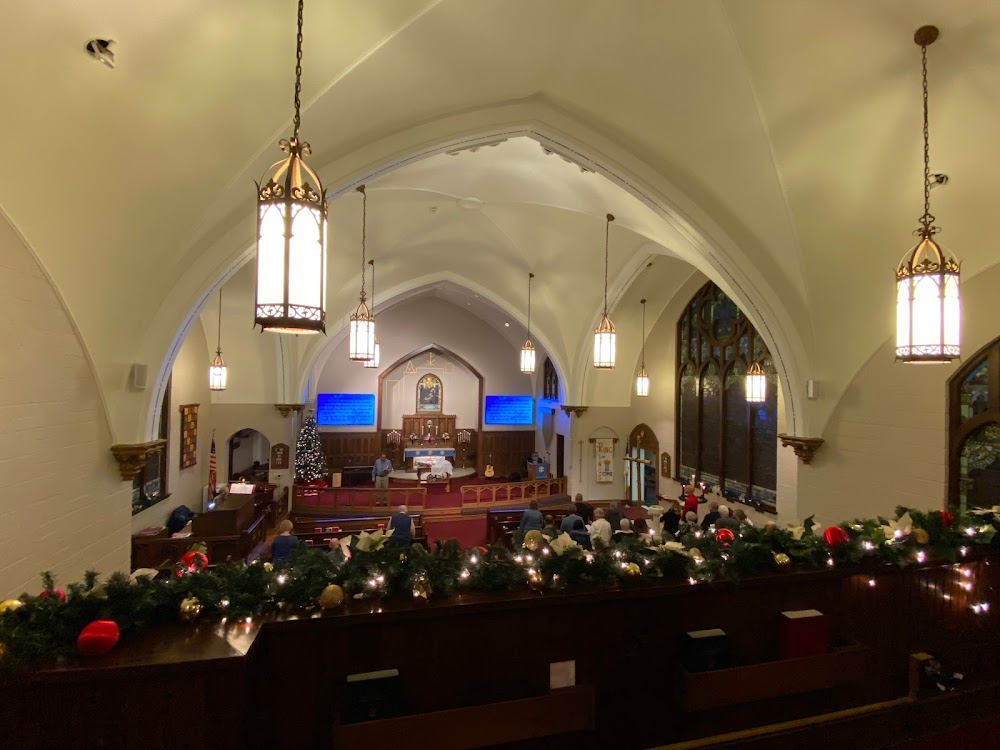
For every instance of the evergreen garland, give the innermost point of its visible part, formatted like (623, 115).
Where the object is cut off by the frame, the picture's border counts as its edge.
(310, 464)
(45, 626)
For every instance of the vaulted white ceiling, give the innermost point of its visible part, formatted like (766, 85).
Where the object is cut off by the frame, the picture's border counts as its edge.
(785, 137)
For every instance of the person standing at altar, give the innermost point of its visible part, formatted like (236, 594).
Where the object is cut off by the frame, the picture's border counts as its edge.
(380, 473)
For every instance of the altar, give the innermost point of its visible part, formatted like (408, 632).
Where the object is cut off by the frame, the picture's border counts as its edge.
(409, 453)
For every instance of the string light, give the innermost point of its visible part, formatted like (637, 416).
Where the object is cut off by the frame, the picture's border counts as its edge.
(921, 556)
(871, 583)
(464, 574)
(474, 560)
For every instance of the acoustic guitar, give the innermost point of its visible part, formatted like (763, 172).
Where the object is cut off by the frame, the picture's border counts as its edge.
(489, 473)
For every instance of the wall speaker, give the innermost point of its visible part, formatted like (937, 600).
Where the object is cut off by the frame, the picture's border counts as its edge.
(811, 389)
(137, 377)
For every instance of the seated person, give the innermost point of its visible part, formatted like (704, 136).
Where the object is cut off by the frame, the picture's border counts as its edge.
(582, 509)
(712, 516)
(600, 529)
(579, 533)
(639, 526)
(532, 518)
(550, 529)
(402, 527)
(740, 515)
(281, 547)
(569, 522)
(726, 520)
(625, 532)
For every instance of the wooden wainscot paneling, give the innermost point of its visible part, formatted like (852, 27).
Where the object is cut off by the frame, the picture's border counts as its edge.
(506, 451)
(349, 449)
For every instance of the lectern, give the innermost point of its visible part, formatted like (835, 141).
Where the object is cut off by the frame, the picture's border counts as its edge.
(538, 470)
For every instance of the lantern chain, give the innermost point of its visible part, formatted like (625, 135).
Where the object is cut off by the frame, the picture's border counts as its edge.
(364, 236)
(298, 76)
(927, 219)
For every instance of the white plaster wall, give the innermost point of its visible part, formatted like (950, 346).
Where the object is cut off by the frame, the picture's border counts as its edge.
(413, 325)
(63, 505)
(229, 418)
(886, 442)
(460, 389)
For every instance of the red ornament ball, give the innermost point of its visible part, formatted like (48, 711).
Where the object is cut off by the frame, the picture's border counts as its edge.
(725, 536)
(98, 638)
(947, 519)
(194, 561)
(57, 593)
(835, 536)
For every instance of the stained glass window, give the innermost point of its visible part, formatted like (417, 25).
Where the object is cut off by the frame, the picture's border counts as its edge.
(974, 434)
(550, 384)
(723, 441)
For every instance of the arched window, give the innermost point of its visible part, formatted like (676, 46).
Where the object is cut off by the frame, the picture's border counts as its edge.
(721, 439)
(550, 385)
(974, 430)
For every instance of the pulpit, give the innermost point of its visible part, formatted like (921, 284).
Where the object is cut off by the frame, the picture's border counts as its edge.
(538, 470)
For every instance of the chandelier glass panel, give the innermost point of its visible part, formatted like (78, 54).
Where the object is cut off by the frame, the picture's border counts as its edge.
(604, 334)
(528, 350)
(362, 336)
(291, 235)
(928, 302)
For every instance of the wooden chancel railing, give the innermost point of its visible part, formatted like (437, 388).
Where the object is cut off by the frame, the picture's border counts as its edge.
(322, 500)
(482, 495)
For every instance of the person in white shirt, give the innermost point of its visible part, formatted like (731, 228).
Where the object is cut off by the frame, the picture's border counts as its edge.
(600, 529)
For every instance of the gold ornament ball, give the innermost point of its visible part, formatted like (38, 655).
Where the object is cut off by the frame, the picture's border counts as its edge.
(632, 570)
(921, 536)
(696, 555)
(332, 596)
(533, 540)
(190, 608)
(781, 559)
(421, 587)
(268, 567)
(10, 604)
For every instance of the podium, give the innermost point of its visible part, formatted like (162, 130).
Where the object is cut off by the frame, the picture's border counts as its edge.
(539, 470)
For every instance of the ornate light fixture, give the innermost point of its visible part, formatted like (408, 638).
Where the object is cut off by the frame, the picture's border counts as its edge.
(928, 305)
(217, 370)
(291, 235)
(642, 380)
(362, 339)
(604, 334)
(374, 361)
(756, 384)
(528, 350)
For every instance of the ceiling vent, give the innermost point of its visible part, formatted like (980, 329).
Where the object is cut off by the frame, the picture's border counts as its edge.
(102, 50)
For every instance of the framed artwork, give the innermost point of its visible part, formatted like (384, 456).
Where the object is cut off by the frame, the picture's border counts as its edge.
(604, 451)
(665, 465)
(430, 394)
(279, 456)
(189, 435)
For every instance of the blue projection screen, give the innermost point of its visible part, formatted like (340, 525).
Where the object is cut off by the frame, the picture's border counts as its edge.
(345, 409)
(510, 410)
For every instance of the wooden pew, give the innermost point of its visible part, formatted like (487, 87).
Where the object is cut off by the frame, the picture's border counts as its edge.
(305, 528)
(501, 524)
(162, 552)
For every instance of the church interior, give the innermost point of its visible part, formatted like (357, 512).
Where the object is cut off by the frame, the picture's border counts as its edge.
(503, 263)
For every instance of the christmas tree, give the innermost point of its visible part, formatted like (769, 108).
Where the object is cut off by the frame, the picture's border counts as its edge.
(310, 465)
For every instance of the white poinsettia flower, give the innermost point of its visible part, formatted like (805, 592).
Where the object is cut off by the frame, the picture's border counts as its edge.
(899, 528)
(797, 531)
(563, 543)
(674, 547)
(142, 572)
(372, 542)
(345, 545)
(995, 511)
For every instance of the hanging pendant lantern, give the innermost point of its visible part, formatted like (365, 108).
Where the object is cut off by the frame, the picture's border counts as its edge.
(528, 350)
(928, 302)
(377, 358)
(291, 236)
(642, 379)
(217, 370)
(756, 384)
(604, 334)
(362, 336)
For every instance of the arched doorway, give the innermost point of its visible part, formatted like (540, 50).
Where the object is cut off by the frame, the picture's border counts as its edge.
(640, 460)
(249, 454)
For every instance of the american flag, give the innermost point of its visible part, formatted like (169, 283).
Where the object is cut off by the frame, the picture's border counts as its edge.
(213, 477)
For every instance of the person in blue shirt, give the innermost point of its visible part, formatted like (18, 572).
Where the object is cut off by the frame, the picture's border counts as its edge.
(402, 527)
(532, 518)
(569, 521)
(380, 473)
(281, 547)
